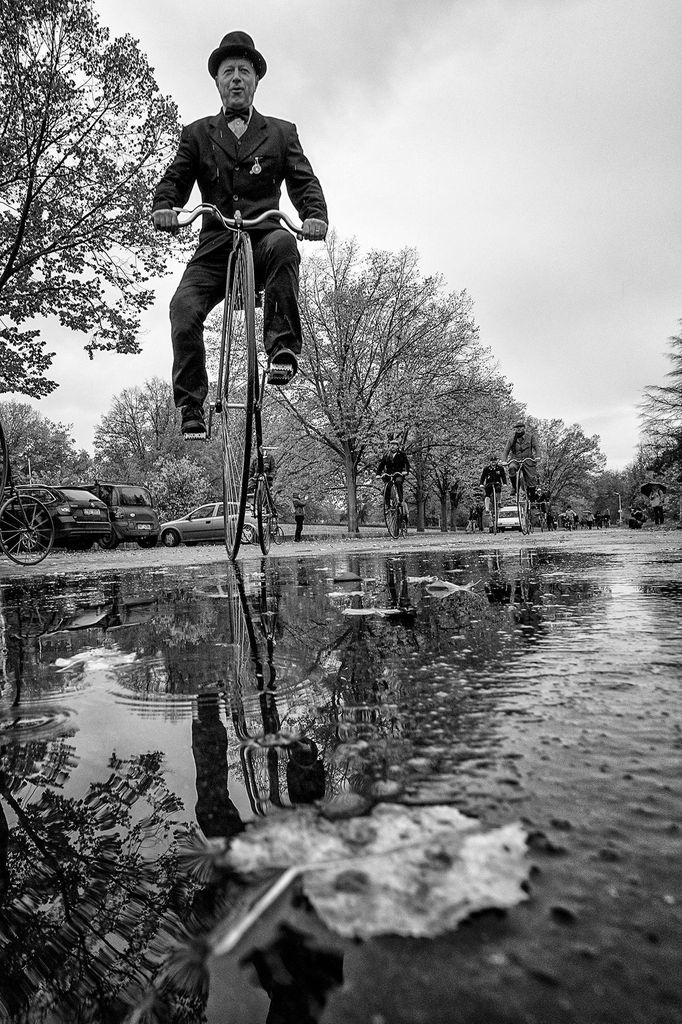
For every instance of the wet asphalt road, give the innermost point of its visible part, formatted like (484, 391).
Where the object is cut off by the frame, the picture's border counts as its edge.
(557, 706)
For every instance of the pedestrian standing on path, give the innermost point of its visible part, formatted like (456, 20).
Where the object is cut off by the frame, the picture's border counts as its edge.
(299, 503)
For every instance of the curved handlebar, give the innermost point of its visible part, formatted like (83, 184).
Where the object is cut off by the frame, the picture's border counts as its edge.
(237, 223)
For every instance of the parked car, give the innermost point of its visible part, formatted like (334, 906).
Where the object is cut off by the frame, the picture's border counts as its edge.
(131, 513)
(78, 516)
(508, 518)
(203, 524)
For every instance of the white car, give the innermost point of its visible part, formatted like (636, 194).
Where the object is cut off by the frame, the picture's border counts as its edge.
(205, 524)
(508, 518)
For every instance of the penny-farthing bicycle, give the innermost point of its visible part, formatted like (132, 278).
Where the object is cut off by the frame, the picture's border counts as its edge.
(523, 503)
(241, 381)
(26, 529)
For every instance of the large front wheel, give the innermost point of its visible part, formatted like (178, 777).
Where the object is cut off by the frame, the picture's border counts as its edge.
(236, 394)
(391, 510)
(26, 530)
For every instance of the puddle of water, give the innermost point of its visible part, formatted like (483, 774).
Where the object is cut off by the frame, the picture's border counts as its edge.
(144, 714)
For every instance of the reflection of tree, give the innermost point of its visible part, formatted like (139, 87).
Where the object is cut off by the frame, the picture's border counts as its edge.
(92, 891)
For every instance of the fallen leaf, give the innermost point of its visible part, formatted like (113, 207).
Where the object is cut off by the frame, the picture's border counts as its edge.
(415, 871)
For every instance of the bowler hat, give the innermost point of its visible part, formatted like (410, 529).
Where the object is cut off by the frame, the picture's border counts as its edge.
(238, 44)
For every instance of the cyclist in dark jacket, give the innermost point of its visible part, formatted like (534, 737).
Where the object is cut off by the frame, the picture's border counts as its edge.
(394, 466)
(492, 477)
(522, 445)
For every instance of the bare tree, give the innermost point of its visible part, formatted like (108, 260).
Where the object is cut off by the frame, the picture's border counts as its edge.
(570, 462)
(376, 333)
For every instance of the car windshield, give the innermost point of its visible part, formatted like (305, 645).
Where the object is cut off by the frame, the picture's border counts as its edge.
(72, 494)
(134, 496)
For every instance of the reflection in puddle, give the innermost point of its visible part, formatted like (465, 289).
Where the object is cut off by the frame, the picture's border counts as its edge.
(145, 717)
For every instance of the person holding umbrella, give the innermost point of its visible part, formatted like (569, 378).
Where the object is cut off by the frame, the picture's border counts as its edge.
(654, 491)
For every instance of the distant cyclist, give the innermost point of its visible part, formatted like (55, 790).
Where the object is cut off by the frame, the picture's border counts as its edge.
(492, 478)
(522, 445)
(269, 468)
(394, 467)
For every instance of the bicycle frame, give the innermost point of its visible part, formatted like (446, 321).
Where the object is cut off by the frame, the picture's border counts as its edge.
(238, 227)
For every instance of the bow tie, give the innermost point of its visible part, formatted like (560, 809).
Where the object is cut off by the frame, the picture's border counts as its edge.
(232, 115)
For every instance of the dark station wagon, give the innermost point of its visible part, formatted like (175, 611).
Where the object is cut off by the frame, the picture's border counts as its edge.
(79, 517)
(131, 513)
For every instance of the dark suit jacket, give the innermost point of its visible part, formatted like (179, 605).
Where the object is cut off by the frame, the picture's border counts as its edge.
(223, 167)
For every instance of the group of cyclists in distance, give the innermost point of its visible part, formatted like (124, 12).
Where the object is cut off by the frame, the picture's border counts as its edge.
(520, 456)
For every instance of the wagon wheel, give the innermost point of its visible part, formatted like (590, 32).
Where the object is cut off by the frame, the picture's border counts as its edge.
(26, 529)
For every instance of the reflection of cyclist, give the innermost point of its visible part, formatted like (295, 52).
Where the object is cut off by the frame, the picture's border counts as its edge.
(522, 445)
(305, 772)
(216, 814)
(394, 467)
(240, 160)
(492, 477)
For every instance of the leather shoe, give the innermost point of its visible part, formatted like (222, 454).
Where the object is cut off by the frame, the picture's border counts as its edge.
(193, 421)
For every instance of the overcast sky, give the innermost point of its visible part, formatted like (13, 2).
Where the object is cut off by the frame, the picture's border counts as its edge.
(531, 150)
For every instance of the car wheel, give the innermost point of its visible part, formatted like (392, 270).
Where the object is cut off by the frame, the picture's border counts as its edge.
(147, 542)
(170, 538)
(248, 534)
(110, 542)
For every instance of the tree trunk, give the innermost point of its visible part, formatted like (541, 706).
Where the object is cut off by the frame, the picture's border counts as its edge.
(420, 497)
(351, 493)
(444, 514)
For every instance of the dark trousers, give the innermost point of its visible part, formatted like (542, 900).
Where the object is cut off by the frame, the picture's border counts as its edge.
(299, 527)
(202, 287)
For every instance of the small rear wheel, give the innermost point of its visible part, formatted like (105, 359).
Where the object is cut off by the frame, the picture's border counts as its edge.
(278, 535)
(26, 530)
